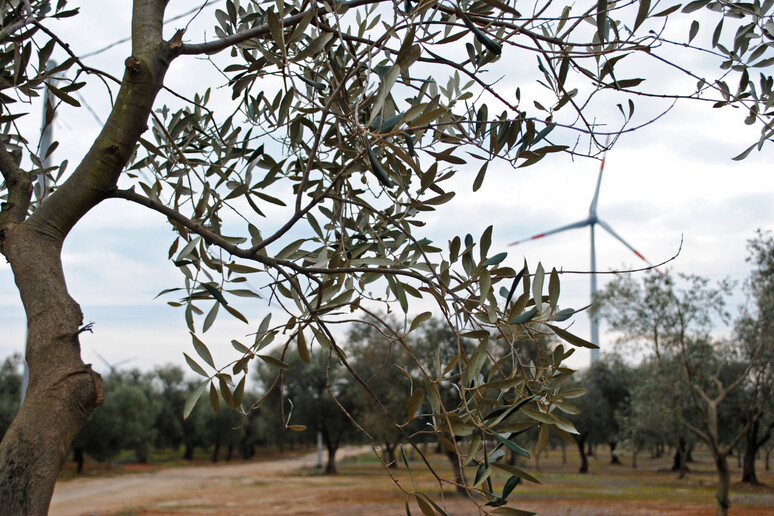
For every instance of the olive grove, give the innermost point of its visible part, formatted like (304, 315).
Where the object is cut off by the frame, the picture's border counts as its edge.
(717, 388)
(352, 116)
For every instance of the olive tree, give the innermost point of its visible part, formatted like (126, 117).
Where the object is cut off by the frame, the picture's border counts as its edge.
(376, 357)
(674, 319)
(345, 123)
(755, 328)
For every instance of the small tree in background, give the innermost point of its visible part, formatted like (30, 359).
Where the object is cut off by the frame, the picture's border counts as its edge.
(378, 358)
(316, 396)
(676, 321)
(755, 330)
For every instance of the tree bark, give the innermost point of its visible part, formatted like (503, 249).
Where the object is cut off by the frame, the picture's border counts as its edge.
(748, 464)
(216, 452)
(679, 459)
(752, 445)
(330, 466)
(613, 455)
(724, 484)
(581, 440)
(79, 459)
(62, 390)
(389, 455)
(188, 454)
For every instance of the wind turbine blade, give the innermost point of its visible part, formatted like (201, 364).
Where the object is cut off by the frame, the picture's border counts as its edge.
(122, 362)
(593, 207)
(624, 242)
(108, 364)
(579, 224)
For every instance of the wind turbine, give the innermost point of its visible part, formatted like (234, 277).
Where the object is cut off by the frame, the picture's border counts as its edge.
(591, 221)
(113, 367)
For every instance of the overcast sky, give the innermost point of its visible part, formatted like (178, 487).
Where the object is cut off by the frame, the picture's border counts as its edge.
(669, 181)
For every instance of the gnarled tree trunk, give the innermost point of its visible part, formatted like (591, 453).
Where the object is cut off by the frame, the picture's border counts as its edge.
(63, 391)
(724, 485)
(753, 443)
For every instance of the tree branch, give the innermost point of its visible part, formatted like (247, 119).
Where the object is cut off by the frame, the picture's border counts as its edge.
(66, 47)
(30, 18)
(213, 47)
(701, 435)
(730, 446)
(19, 185)
(147, 25)
(97, 174)
(213, 238)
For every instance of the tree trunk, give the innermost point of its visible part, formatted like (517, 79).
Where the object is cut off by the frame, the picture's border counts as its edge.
(188, 454)
(63, 391)
(613, 456)
(584, 467)
(389, 455)
(230, 452)
(142, 453)
(78, 458)
(750, 451)
(513, 460)
(724, 483)
(680, 457)
(216, 452)
(459, 474)
(330, 466)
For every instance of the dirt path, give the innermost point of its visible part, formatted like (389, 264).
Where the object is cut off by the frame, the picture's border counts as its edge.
(87, 496)
(291, 487)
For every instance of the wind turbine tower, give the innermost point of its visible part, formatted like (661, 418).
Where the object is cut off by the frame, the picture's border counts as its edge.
(591, 221)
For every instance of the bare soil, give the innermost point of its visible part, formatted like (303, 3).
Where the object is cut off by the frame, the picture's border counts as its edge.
(293, 486)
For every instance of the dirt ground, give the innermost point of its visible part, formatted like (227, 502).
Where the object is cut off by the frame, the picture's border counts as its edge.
(292, 486)
(189, 486)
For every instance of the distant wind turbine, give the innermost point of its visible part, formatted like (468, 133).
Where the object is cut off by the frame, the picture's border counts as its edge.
(113, 367)
(591, 221)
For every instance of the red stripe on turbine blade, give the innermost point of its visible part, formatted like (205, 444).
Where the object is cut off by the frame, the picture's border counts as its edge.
(642, 257)
(531, 238)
